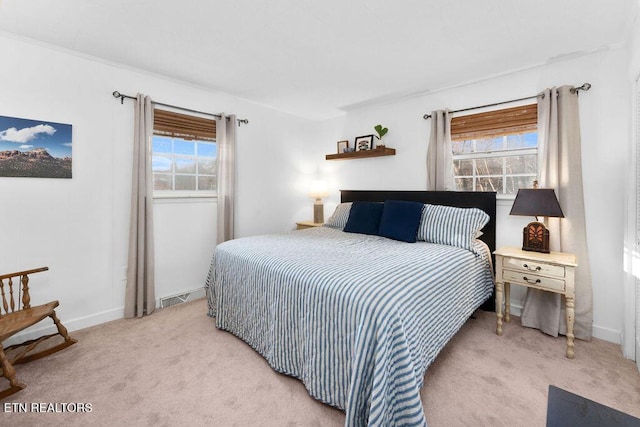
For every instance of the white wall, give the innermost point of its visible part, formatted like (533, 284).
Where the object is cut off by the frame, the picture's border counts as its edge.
(79, 227)
(604, 126)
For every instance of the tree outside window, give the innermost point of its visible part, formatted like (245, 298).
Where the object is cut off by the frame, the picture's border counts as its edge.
(495, 150)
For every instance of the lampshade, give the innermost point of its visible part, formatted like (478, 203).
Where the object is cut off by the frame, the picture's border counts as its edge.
(318, 189)
(536, 202)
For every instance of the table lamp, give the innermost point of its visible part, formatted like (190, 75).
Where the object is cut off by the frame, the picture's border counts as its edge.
(318, 191)
(536, 202)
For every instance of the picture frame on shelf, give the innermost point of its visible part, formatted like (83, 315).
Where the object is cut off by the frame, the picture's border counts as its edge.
(343, 146)
(364, 143)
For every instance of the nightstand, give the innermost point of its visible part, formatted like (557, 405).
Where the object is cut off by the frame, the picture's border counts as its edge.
(308, 224)
(552, 272)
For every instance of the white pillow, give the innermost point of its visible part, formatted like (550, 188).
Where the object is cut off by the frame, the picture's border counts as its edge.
(340, 216)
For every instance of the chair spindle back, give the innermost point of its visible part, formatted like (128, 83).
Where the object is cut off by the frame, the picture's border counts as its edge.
(15, 297)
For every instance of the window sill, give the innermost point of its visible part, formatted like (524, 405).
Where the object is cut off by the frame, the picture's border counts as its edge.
(184, 197)
(510, 197)
(505, 201)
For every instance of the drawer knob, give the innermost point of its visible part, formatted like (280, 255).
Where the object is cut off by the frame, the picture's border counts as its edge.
(526, 279)
(528, 267)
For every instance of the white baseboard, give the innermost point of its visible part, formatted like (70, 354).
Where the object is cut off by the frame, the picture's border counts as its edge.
(606, 334)
(47, 326)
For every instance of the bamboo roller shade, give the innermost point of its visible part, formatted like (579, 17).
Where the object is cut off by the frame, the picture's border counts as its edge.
(168, 123)
(495, 123)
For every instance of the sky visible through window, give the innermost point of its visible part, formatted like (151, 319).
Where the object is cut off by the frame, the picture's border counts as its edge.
(180, 164)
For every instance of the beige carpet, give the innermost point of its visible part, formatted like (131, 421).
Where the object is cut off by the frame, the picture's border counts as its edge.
(174, 368)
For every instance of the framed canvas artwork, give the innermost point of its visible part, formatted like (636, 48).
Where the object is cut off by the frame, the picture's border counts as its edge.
(34, 148)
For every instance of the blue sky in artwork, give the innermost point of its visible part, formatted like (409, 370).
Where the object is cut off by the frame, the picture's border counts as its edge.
(25, 134)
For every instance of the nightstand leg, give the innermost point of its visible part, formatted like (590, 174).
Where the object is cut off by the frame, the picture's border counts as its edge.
(507, 302)
(499, 297)
(570, 319)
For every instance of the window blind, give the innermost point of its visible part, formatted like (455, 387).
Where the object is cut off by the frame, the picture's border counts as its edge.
(169, 123)
(490, 124)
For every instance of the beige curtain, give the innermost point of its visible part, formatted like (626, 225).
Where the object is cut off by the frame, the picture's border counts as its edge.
(226, 140)
(439, 154)
(559, 167)
(140, 294)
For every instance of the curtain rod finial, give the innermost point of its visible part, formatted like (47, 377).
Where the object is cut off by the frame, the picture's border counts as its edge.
(117, 94)
(585, 87)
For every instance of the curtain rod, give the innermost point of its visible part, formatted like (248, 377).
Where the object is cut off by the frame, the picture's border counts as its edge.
(122, 96)
(585, 87)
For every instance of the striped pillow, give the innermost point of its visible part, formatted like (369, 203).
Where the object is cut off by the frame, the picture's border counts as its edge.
(340, 216)
(448, 225)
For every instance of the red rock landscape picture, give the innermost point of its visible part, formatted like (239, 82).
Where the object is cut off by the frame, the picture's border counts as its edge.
(37, 149)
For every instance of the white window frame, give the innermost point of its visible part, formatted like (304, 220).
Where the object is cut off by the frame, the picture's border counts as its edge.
(501, 153)
(182, 194)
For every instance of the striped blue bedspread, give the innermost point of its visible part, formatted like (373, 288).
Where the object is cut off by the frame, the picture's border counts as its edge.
(357, 318)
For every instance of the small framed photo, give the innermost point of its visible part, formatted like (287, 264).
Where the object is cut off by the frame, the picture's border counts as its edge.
(364, 143)
(343, 145)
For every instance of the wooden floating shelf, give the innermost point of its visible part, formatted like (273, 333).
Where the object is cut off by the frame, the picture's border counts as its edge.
(377, 152)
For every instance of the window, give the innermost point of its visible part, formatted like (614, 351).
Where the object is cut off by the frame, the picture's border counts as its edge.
(496, 150)
(184, 154)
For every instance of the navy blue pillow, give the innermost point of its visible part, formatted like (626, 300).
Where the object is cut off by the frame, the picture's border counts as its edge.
(364, 218)
(400, 220)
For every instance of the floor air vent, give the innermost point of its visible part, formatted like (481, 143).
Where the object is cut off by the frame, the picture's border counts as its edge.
(180, 298)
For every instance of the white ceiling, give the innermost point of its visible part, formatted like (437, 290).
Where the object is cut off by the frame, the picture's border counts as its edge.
(317, 58)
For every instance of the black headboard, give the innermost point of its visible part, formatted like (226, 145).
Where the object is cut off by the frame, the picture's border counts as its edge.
(485, 200)
(462, 199)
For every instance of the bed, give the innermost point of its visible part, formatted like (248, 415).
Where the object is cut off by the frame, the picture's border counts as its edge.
(357, 318)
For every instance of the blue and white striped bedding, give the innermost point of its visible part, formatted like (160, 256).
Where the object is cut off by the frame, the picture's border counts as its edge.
(357, 318)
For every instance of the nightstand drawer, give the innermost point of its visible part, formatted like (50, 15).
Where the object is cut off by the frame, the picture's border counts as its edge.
(527, 278)
(534, 267)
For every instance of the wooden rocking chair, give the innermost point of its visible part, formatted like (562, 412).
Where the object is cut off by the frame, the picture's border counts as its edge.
(16, 314)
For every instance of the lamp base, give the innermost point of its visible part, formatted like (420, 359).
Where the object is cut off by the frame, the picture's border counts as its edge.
(535, 238)
(318, 212)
